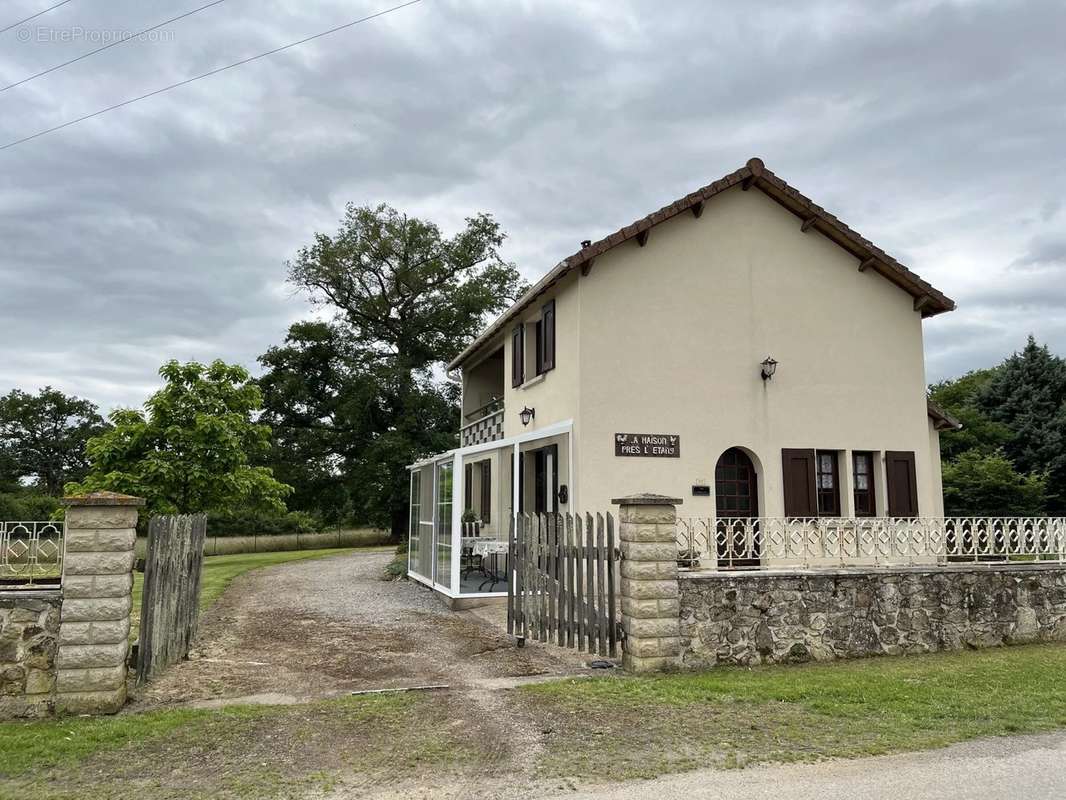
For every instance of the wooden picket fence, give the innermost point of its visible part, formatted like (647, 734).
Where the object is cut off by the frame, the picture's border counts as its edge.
(563, 585)
(170, 602)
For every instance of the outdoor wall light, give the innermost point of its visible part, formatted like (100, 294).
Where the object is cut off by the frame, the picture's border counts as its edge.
(769, 367)
(527, 414)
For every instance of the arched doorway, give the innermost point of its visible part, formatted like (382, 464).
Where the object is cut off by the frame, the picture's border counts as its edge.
(736, 498)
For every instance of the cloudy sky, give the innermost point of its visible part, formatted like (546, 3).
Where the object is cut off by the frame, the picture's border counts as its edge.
(161, 230)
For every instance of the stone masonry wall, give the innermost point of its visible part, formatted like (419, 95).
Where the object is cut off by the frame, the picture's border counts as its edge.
(796, 616)
(29, 639)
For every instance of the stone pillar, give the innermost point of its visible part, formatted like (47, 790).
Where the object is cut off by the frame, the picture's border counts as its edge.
(97, 597)
(650, 596)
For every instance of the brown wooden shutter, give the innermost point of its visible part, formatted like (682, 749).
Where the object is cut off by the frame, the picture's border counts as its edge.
(547, 328)
(486, 489)
(902, 481)
(517, 357)
(468, 486)
(801, 494)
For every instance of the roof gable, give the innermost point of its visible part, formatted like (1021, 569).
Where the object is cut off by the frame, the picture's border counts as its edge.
(754, 174)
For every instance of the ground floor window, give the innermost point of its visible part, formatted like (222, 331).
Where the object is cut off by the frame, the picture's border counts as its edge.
(827, 480)
(862, 467)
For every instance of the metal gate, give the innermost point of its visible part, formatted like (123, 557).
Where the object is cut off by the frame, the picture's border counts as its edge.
(564, 582)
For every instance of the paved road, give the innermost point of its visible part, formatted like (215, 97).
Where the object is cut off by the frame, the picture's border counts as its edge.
(1029, 767)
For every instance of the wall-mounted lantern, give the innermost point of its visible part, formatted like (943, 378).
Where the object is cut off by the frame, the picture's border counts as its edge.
(527, 414)
(769, 367)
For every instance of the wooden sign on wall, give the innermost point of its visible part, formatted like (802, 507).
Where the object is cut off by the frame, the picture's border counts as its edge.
(652, 445)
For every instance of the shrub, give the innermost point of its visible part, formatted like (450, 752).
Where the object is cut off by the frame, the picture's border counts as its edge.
(244, 522)
(397, 568)
(27, 506)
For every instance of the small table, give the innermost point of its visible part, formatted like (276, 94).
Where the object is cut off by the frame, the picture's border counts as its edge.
(490, 549)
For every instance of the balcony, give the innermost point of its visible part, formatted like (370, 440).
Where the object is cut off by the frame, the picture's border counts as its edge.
(483, 424)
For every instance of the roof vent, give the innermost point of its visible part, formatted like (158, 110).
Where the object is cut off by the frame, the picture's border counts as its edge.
(586, 243)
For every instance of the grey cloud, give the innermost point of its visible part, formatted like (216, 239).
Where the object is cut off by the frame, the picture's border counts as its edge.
(161, 230)
(1045, 252)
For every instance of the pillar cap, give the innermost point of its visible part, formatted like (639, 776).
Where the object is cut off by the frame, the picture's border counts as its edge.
(103, 499)
(647, 500)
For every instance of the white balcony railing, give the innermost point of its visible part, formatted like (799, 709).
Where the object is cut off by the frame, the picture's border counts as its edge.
(767, 542)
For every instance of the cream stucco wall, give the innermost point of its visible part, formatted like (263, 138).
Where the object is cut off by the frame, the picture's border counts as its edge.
(554, 395)
(672, 336)
(668, 338)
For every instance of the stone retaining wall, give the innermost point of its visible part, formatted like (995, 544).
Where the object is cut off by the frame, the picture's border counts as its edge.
(794, 616)
(29, 639)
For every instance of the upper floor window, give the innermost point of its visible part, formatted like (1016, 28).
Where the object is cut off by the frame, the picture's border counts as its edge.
(827, 479)
(546, 338)
(863, 472)
(533, 350)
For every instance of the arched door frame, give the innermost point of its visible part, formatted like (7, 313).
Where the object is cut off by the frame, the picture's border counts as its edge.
(756, 483)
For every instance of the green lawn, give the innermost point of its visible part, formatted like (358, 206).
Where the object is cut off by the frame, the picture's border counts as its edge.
(732, 717)
(234, 752)
(599, 730)
(219, 572)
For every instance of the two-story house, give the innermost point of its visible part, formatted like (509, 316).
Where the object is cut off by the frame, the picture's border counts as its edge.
(741, 348)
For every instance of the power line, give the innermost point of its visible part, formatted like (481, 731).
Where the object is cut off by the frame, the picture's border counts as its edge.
(187, 81)
(32, 16)
(122, 40)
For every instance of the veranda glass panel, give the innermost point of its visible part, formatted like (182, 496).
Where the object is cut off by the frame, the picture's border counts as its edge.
(414, 525)
(444, 525)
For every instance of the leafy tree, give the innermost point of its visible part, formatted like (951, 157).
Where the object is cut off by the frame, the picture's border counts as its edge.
(406, 292)
(959, 397)
(362, 396)
(1027, 394)
(317, 401)
(43, 437)
(987, 484)
(192, 447)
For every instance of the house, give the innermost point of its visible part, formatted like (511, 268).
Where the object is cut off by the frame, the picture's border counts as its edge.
(741, 348)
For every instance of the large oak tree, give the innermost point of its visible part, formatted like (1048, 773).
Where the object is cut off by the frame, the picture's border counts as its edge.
(355, 399)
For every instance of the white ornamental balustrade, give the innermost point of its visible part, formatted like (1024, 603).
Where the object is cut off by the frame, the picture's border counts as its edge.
(766, 542)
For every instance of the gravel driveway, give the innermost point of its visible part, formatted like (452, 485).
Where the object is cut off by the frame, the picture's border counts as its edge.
(323, 627)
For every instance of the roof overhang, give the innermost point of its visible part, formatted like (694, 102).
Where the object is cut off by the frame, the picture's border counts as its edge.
(942, 420)
(927, 299)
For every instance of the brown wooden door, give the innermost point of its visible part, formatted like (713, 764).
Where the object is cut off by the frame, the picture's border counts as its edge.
(735, 485)
(736, 498)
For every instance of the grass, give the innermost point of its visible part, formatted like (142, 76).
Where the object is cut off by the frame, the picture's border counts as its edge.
(220, 571)
(733, 717)
(233, 752)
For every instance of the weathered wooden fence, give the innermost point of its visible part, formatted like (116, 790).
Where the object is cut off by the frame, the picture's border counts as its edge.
(171, 597)
(563, 585)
